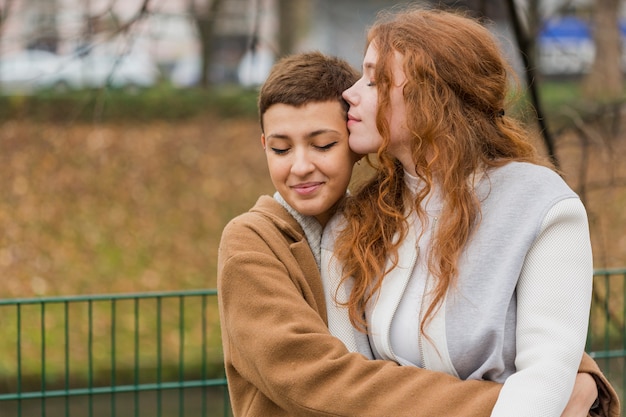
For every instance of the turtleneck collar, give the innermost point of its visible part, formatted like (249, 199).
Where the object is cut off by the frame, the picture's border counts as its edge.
(433, 201)
(311, 227)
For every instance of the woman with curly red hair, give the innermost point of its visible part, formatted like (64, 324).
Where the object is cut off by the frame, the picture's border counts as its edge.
(464, 253)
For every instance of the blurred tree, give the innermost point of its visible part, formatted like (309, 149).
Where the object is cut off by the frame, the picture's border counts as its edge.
(294, 23)
(45, 34)
(605, 80)
(492, 10)
(288, 21)
(525, 19)
(106, 22)
(5, 7)
(526, 31)
(205, 14)
(141, 13)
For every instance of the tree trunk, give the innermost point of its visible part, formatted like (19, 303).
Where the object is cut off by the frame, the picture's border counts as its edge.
(4, 13)
(45, 34)
(604, 81)
(526, 46)
(287, 14)
(205, 20)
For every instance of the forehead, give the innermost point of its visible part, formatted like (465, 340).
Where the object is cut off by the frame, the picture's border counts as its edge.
(287, 120)
(371, 58)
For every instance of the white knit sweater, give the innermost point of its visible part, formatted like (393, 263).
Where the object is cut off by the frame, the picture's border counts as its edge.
(519, 312)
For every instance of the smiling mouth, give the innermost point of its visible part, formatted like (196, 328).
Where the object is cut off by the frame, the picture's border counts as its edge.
(307, 188)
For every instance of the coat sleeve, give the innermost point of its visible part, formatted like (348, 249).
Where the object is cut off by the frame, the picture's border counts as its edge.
(608, 400)
(553, 302)
(276, 340)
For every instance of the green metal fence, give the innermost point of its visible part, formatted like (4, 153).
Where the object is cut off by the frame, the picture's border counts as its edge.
(606, 341)
(159, 354)
(154, 354)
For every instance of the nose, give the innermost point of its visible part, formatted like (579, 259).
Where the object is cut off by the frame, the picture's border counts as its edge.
(302, 164)
(349, 96)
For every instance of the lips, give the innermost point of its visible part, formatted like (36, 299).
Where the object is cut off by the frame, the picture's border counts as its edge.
(306, 188)
(352, 120)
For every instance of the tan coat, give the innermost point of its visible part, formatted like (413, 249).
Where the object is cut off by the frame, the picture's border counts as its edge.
(280, 358)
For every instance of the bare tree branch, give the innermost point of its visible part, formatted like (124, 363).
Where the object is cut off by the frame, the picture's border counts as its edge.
(4, 13)
(205, 20)
(253, 40)
(141, 13)
(604, 81)
(523, 42)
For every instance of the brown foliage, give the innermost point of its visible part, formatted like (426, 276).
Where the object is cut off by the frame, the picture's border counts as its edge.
(591, 155)
(138, 207)
(119, 207)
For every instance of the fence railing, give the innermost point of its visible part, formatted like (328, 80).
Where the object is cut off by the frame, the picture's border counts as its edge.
(153, 354)
(159, 354)
(606, 340)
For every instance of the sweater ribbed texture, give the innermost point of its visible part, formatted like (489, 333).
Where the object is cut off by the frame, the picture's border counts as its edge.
(311, 227)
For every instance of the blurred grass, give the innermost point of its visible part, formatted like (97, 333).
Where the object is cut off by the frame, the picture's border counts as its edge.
(162, 102)
(123, 205)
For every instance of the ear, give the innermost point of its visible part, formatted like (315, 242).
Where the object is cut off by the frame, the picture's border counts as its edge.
(263, 140)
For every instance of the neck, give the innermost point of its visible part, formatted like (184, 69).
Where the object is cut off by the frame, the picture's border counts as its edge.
(403, 154)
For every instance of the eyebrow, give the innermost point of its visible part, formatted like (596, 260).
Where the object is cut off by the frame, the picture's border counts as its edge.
(369, 65)
(309, 135)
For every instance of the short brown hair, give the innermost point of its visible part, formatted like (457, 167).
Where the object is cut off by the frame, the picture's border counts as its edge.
(304, 78)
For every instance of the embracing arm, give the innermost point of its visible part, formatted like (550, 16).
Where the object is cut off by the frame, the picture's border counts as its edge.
(608, 404)
(279, 351)
(553, 300)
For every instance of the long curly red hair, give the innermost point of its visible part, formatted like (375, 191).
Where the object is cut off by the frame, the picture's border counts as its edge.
(456, 89)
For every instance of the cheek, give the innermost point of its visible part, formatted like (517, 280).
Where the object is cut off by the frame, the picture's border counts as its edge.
(397, 120)
(346, 164)
(371, 108)
(341, 174)
(276, 166)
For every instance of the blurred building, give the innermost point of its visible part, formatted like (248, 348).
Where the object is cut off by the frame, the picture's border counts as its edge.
(340, 25)
(166, 33)
(246, 42)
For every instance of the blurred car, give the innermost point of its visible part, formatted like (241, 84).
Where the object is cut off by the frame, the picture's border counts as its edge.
(566, 46)
(251, 70)
(186, 72)
(254, 67)
(130, 72)
(29, 71)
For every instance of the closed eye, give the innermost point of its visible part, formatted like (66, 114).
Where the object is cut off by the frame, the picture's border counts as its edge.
(326, 147)
(278, 151)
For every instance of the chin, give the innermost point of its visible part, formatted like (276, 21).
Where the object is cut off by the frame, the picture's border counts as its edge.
(310, 211)
(363, 147)
(363, 150)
